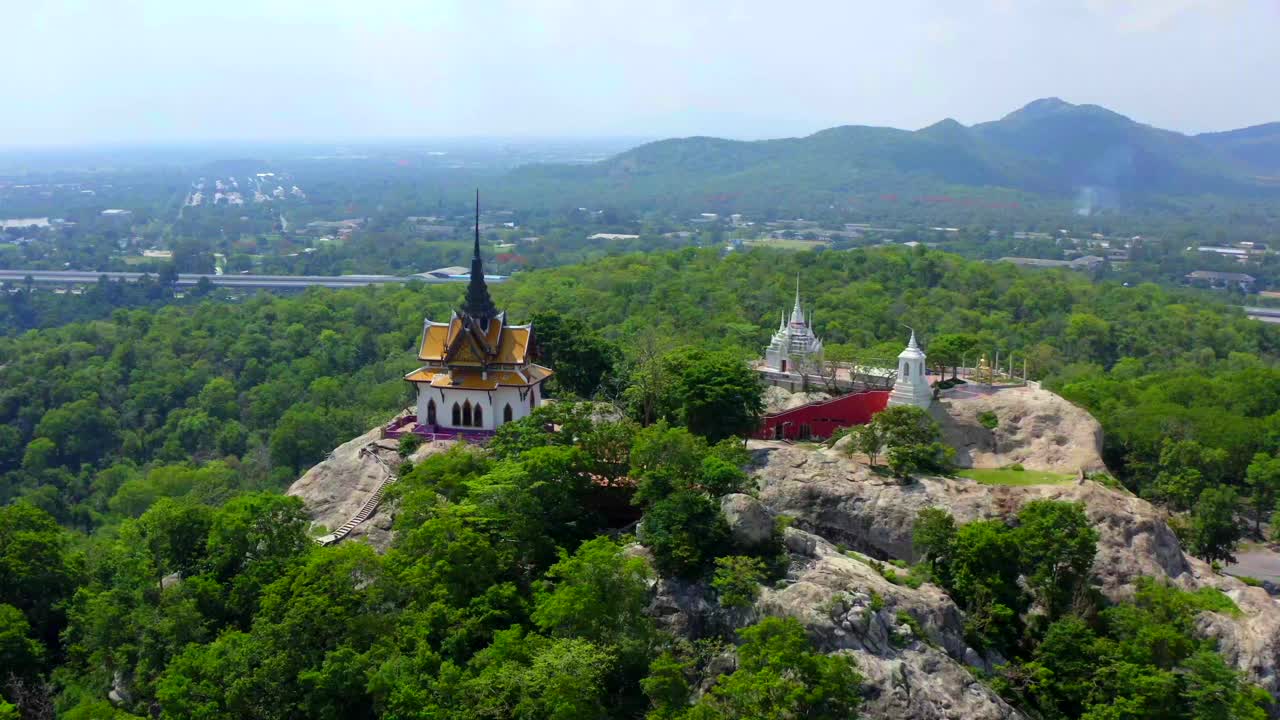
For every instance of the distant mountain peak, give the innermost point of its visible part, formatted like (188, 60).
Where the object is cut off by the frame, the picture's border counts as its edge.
(945, 124)
(1043, 107)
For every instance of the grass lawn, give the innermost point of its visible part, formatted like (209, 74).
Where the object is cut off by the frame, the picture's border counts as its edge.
(1002, 476)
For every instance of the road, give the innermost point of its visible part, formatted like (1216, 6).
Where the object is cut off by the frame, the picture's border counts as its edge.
(270, 282)
(1271, 315)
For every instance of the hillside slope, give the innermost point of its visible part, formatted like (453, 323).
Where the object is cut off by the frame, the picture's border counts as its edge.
(1049, 147)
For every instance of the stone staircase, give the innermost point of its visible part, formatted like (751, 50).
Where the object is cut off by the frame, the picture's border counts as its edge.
(370, 505)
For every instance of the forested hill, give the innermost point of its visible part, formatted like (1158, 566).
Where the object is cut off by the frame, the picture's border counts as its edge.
(145, 550)
(1049, 147)
(268, 386)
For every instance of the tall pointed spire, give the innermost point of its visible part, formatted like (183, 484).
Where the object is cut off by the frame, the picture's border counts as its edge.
(478, 305)
(911, 344)
(797, 314)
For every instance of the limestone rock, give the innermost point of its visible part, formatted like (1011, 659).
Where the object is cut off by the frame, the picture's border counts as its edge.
(846, 606)
(749, 522)
(835, 497)
(1036, 428)
(777, 399)
(335, 489)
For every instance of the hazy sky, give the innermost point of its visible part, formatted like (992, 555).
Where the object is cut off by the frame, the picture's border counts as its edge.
(108, 71)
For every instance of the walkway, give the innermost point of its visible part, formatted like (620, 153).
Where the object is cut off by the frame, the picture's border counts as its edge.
(370, 505)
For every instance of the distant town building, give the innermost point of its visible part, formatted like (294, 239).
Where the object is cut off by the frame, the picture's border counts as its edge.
(1088, 262)
(1222, 280)
(613, 236)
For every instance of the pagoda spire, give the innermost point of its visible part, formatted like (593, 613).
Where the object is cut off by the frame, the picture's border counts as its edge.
(478, 305)
(797, 314)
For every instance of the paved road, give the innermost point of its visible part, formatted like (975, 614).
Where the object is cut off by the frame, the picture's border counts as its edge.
(1258, 561)
(279, 282)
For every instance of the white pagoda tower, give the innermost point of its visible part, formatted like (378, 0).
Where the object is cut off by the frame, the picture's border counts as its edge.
(795, 348)
(911, 386)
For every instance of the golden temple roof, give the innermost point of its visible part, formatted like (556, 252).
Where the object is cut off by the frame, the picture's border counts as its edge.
(458, 343)
(469, 379)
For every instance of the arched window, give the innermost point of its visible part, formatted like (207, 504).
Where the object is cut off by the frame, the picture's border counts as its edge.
(479, 416)
(466, 413)
(506, 413)
(457, 415)
(431, 412)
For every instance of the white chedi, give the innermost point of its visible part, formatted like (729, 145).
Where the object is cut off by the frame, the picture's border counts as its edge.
(911, 385)
(795, 348)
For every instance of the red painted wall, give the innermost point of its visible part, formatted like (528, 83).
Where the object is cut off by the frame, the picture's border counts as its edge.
(824, 418)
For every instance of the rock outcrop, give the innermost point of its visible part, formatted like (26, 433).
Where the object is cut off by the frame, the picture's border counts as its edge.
(749, 522)
(839, 499)
(908, 643)
(335, 489)
(1035, 428)
(777, 399)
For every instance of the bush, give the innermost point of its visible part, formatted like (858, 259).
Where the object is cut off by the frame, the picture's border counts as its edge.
(409, 443)
(684, 531)
(737, 580)
(988, 419)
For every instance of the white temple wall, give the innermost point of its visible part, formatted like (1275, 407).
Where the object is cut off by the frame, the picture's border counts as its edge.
(492, 404)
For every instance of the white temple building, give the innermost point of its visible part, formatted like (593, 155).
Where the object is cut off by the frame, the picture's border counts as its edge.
(911, 385)
(479, 371)
(795, 349)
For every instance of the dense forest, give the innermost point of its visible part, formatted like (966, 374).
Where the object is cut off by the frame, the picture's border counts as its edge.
(145, 549)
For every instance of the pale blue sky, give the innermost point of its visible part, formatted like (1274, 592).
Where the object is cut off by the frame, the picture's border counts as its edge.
(115, 71)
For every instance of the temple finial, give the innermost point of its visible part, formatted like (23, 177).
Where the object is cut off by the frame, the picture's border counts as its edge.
(477, 252)
(478, 305)
(797, 313)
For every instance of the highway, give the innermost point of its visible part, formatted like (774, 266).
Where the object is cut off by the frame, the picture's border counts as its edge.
(269, 282)
(1271, 315)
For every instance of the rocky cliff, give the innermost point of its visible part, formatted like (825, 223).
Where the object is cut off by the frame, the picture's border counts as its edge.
(835, 499)
(909, 643)
(335, 489)
(1034, 428)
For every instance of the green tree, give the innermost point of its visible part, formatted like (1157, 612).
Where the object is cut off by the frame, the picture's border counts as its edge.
(912, 439)
(1214, 532)
(1263, 479)
(37, 569)
(303, 436)
(598, 593)
(950, 349)
(737, 580)
(684, 530)
(20, 654)
(868, 439)
(583, 361)
(714, 394)
(933, 538)
(1057, 545)
(779, 675)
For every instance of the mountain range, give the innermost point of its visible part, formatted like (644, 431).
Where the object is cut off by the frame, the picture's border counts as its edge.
(1048, 148)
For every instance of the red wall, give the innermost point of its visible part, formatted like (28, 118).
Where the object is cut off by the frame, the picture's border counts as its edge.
(824, 418)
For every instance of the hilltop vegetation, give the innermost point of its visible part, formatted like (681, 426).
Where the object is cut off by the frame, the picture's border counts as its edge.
(266, 387)
(154, 442)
